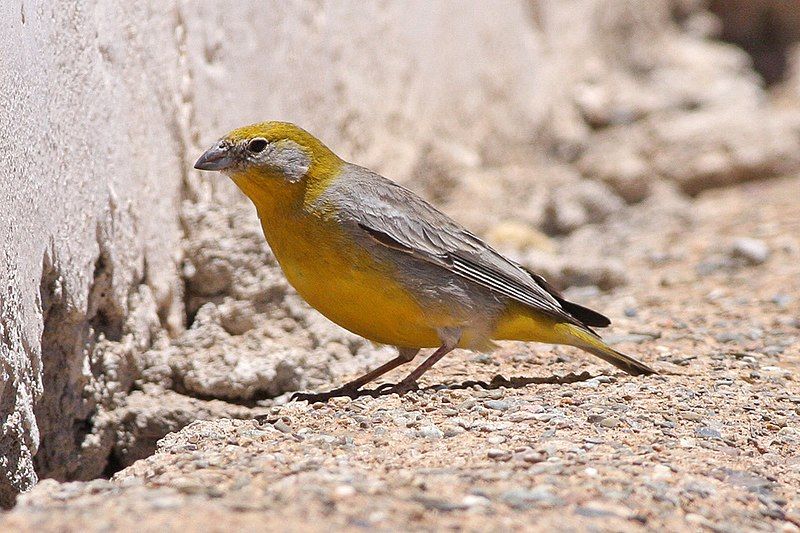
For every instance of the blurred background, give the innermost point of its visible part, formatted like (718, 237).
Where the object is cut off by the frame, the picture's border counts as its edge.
(137, 295)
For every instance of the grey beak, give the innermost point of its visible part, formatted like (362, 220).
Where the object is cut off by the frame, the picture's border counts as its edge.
(215, 158)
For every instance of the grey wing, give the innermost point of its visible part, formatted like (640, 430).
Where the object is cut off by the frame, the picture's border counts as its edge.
(399, 219)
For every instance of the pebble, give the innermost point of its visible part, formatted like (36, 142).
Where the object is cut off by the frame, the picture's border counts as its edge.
(451, 430)
(610, 422)
(633, 338)
(773, 349)
(498, 405)
(439, 505)
(166, 502)
(525, 499)
(281, 426)
(466, 405)
(533, 457)
(521, 416)
(662, 472)
(729, 336)
(499, 454)
(700, 520)
(782, 300)
(754, 251)
(344, 491)
(430, 432)
(474, 500)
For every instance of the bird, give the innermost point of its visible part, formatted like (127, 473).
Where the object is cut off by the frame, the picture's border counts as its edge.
(383, 263)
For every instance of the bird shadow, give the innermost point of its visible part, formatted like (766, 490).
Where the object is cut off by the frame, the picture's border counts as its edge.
(496, 382)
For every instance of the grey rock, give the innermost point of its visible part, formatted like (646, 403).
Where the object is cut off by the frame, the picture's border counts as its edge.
(753, 251)
(498, 454)
(281, 426)
(526, 499)
(430, 432)
(708, 433)
(610, 422)
(498, 405)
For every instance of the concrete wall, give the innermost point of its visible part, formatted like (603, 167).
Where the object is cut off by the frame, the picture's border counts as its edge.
(110, 240)
(103, 106)
(90, 166)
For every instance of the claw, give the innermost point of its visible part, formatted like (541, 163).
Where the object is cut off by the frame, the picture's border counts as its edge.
(403, 387)
(311, 397)
(386, 386)
(299, 396)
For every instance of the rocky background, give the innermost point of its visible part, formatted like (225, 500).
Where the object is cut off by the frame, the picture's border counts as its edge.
(622, 152)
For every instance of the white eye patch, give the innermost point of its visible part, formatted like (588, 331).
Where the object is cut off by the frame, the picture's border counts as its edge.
(290, 158)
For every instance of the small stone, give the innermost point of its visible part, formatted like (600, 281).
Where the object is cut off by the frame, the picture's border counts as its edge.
(520, 236)
(773, 349)
(498, 454)
(165, 502)
(525, 499)
(610, 422)
(466, 405)
(533, 457)
(451, 430)
(700, 520)
(496, 439)
(782, 300)
(473, 500)
(344, 491)
(708, 433)
(281, 426)
(498, 405)
(430, 432)
(98, 485)
(439, 505)
(754, 251)
(662, 472)
(729, 336)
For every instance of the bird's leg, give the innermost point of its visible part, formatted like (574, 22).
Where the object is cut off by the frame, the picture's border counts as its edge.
(410, 381)
(406, 355)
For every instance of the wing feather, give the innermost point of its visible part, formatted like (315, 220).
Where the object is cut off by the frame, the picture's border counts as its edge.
(397, 218)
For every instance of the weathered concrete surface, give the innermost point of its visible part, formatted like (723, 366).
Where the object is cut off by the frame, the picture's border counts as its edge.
(112, 245)
(89, 190)
(103, 106)
(532, 439)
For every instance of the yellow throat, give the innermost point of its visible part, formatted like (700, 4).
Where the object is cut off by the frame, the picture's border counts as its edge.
(322, 263)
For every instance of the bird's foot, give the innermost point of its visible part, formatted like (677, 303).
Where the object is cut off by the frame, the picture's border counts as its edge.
(399, 388)
(312, 397)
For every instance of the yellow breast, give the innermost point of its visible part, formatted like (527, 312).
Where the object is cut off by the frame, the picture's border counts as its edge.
(337, 277)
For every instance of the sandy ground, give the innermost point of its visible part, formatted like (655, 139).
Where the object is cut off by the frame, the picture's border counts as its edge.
(533, 437)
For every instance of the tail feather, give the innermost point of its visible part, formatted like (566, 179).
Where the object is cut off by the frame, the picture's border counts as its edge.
(620, 360)
(594, 345)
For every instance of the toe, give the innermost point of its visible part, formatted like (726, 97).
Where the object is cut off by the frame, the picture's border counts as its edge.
(403, 387)
(323, 396)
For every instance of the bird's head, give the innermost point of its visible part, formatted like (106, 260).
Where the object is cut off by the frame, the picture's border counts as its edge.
(270, 152)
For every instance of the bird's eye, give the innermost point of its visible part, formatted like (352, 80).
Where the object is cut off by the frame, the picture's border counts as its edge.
(256, 145)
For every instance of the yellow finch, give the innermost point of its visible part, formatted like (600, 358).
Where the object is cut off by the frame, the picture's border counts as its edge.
(381, 262)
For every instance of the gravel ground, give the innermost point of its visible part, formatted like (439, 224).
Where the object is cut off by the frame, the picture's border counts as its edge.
(533, 437)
